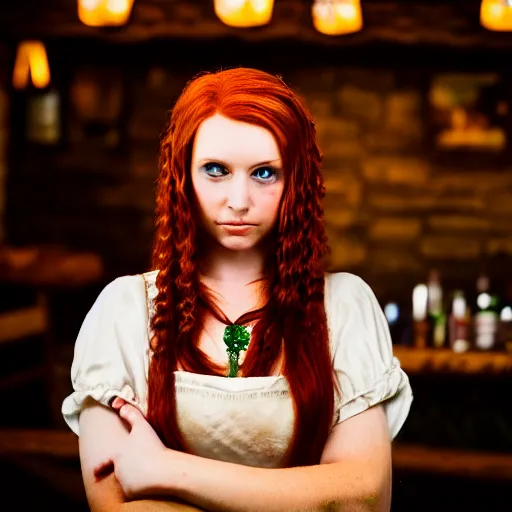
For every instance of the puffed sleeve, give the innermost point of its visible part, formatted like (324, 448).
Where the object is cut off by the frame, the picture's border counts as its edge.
(110, 358)
(367, 371)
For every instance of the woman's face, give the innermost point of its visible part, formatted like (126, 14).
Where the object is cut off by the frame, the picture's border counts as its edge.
(237, 177)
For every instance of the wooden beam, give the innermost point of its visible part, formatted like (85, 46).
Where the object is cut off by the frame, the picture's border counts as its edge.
(454, 24)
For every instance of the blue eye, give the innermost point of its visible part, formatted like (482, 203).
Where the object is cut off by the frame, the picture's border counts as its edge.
(265, 174)
(214, 170)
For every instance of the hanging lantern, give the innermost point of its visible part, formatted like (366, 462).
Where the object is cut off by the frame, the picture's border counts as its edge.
(104, 13)
(337, 17)
(31, 63)
(496, 15)
(244, 13)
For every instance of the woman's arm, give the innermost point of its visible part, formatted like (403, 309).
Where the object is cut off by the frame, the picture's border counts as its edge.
(354, 474)
(101, 431)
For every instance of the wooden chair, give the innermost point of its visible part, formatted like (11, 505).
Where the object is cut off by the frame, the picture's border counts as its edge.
(27, 324)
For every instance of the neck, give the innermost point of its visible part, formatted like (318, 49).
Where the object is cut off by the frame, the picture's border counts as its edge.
(231, 267)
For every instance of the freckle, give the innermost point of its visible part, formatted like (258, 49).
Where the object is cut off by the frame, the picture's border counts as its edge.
(371, 500)
(330, 506)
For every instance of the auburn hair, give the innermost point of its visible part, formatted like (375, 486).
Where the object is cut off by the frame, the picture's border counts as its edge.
(293, 322)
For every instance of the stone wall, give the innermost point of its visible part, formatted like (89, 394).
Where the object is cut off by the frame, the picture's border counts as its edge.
(393, 212)
(391, 208)
(4, 133)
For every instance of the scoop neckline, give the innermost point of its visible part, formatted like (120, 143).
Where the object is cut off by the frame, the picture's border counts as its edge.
(227, 379)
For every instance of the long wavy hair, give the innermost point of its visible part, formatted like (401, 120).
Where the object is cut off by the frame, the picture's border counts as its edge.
(293, 322)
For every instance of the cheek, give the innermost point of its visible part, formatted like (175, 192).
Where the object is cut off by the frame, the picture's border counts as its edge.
(204, 197)
(273, 201)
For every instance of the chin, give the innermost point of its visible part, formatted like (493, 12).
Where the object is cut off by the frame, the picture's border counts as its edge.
(238, 243)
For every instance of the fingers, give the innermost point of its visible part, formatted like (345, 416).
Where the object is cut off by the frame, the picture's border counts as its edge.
(117, 403)
(130, 413)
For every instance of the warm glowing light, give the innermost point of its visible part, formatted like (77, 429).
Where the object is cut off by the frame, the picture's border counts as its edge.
(244, 13)
(420, 302)
(102, 13)
(337, 17)
(496, 15)
(31, 63)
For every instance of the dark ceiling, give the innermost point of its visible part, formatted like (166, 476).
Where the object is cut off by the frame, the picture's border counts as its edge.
(452, 23)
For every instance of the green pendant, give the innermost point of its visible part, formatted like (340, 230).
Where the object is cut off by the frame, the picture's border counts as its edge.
(236, 338)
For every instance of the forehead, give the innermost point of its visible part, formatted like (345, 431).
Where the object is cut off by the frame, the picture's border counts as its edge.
(234, 141)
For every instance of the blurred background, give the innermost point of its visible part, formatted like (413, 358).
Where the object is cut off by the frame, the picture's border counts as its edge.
(412, 105)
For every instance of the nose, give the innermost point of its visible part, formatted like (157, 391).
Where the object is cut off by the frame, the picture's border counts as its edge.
(238, 200)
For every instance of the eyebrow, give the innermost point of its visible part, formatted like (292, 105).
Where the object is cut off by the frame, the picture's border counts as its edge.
(227, 164)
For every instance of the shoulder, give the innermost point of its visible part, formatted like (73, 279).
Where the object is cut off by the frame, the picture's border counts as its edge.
(123, 292)
(354, 313)
(344, 287)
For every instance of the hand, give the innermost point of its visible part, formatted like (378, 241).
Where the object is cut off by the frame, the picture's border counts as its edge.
(139, 457)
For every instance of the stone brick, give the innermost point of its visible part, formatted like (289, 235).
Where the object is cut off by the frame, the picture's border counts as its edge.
(385, 141)
(396, 170)
(458, 223)
(144, 163)
(400, 203)
(149, 13)
(342, 149)
(501, 224)
(420, 201)
(500, 203)
(403, 125)
(342, 191)
(395, 260)
(482, 181)
(342, 218)
(499, 246)
(307, 80)
(135, 194)
(338, 137)
(403, 111)
(4, 120)
(360, 104)
(320, 105)
(140, 128)
(450, 248)
(346, 252)
(96, 94)
(395, 228)
(460, 202)
(376, 80)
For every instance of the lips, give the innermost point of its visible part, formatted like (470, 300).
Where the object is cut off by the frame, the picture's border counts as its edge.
(236, 224)
(237, 229)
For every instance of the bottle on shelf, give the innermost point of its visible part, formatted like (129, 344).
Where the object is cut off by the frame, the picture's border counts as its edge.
(504, 336)
(486, 316)
(459, 323)
(420, 316)
(436, 314)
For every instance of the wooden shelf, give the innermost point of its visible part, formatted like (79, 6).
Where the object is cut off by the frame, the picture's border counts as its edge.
(51, 443)
(449, 462)
(415, 360)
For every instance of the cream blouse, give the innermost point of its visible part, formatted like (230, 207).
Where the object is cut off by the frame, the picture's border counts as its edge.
(242, 420)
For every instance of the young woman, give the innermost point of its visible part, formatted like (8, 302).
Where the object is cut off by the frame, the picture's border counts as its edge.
(237, 375)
